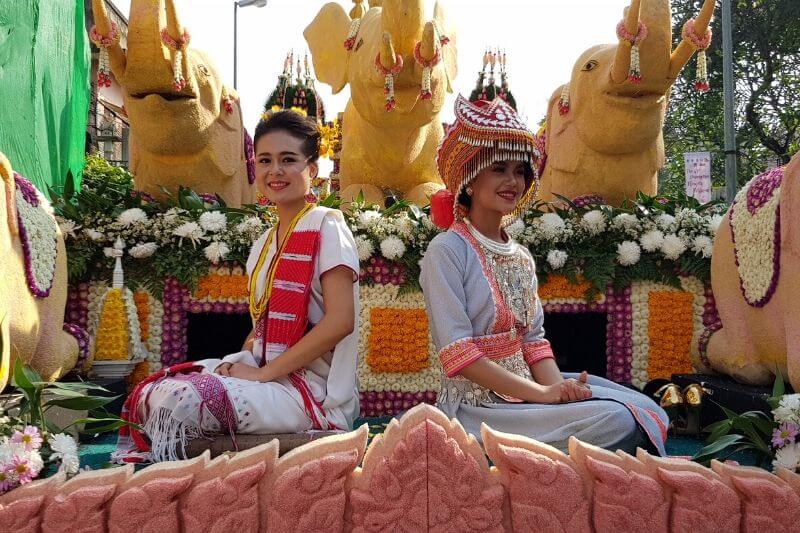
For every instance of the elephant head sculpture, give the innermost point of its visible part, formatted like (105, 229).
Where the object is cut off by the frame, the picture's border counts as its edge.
(604, 133)
(33, 282)
(397, 148)
(189, 135)
(755, 277)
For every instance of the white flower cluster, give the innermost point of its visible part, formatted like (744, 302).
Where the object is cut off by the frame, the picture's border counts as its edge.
(394, 235)
(785, 439)
(555, 236)
(40, 233)
(215, 232)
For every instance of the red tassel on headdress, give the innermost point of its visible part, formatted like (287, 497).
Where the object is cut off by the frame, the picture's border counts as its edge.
(442, 205)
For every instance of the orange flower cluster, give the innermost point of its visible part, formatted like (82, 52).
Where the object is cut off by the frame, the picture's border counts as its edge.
(140, 372)
(398, 341)
(670, 331)
(142, 301)
(216, 287)
(559, 287)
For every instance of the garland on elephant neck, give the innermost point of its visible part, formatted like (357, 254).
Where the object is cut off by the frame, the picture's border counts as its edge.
(39, 236)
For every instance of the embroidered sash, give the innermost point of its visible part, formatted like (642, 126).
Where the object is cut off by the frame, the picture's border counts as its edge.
(281, 311)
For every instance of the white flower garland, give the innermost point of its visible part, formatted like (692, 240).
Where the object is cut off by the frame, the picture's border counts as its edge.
(41, 232)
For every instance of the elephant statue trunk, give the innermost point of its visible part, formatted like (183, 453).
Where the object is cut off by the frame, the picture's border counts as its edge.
(403, 19)
(604, 131)
(186, 127)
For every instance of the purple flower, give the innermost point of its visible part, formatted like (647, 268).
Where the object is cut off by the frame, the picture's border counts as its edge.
(6, 480)
(785, 434)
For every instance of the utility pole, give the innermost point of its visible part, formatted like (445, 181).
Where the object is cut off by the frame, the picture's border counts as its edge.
(728, 89)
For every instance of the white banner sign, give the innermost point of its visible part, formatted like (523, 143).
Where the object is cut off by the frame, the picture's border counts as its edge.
(698, 175)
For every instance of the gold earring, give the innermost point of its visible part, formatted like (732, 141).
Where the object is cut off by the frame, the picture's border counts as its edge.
(469, 191)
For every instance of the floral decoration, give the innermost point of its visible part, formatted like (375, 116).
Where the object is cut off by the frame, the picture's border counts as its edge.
(38, 233)
(24, 451)
(399, 340)
(670, 331)
(756, 233)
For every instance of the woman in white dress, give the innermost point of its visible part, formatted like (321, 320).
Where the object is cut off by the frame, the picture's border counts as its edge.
(486, 318)
(297, 369)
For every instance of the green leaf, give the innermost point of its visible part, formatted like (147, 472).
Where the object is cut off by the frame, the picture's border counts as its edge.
(82, 404)
(778, 388)
(69, 186)
(710, 451)
(78, 386)
(24, 377)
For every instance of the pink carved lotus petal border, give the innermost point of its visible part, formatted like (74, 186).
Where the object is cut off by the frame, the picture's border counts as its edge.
(423, 473)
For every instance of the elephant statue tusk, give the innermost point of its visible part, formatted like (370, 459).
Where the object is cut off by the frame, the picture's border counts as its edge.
(10, 189)
(683, 53)
(116, 54)
(388, 56)
(428, 46)
(622, 60)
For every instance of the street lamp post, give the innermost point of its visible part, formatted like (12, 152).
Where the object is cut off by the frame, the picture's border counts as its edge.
(236, 6)
(729, 103)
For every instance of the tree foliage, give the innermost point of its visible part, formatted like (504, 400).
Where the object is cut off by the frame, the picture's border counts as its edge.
(766, 37)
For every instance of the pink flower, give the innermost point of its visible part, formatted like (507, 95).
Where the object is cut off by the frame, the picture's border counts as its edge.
(785, 434)
(6, 480)
(30, 437)
(22, 470)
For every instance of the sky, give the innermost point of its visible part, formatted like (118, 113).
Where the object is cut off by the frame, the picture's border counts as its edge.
(542, 39)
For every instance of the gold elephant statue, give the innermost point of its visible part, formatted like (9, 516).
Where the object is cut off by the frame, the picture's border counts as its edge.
(604, 133)
(188, 134)
(33, 282)
(393, 149)
(755, 278)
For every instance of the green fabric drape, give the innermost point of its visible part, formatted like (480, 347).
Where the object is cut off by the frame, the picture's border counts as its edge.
(44, 88)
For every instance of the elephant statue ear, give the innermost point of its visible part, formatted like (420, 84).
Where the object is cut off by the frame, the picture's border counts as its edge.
(325, 37)
(449, 50)
(564, 155)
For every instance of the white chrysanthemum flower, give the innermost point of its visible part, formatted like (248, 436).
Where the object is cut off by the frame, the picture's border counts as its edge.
(713, 224)
(552, 225)
(132, 216)
(788, 456)
(63, 444)
(665, 221)
(392, 248)
(628, 253)
(143, 250)
(67, 226)
(93, 234)
(703, 245)
(189, 230)
(172, 214)
(557, 258)
(515, 228)
(213, 221)
(594, 221)
(405, 226)
(364, 247)
(652, 240)
(366, 219)
(672, 247)
(625, 221)
(248, 225)
(788, 409)
(216, 251)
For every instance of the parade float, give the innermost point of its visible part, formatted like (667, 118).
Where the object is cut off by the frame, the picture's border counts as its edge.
(646, 274)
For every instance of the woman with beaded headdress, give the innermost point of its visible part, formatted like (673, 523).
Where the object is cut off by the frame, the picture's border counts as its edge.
(486, 318)
(297, 369)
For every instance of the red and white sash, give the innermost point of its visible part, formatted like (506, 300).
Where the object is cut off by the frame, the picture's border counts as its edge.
(280, 295)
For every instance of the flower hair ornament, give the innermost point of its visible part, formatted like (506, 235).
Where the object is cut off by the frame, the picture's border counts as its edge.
(700, 44)
(635, 69)
(103, 42)
(563, 101)
(483, 132)
(179, 46)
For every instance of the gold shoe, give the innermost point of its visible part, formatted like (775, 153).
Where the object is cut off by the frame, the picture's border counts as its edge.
(693, 398)
(670, 399)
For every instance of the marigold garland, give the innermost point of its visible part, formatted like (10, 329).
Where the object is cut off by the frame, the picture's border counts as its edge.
(142, 300)
(111, 342)
(217, 286)
(140, 372)
(399, 340)
(559, 287)
(670, 329)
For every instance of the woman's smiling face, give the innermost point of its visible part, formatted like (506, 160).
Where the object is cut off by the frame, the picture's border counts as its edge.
(283, 173)
(499, 187)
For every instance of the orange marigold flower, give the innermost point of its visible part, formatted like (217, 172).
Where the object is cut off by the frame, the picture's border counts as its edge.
(398, 341)
(559, 287)
(670, 331)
